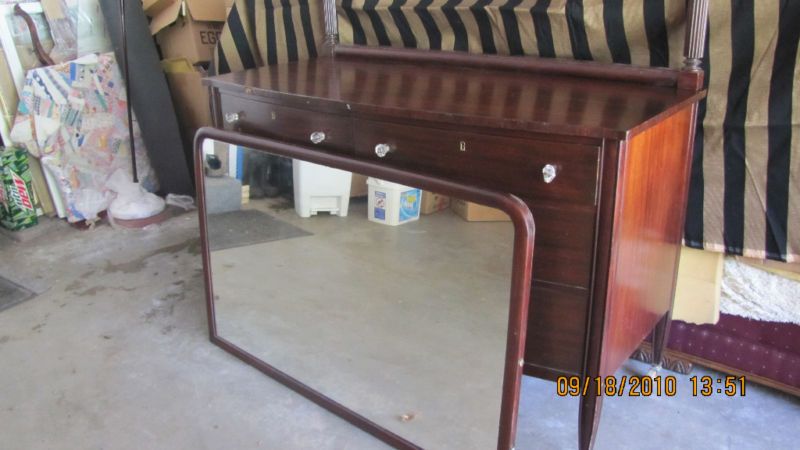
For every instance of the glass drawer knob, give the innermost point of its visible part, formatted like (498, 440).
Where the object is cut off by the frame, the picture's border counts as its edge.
(231, 117)
(549, 173)
(382, 150)
(317, 137)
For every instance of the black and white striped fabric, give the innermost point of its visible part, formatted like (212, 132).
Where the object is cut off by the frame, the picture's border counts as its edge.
(745, 187)
(268, 32)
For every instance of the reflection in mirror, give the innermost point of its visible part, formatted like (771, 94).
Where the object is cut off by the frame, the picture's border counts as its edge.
(391, 301)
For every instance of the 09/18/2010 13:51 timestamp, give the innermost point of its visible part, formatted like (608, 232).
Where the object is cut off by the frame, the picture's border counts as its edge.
(635, 386)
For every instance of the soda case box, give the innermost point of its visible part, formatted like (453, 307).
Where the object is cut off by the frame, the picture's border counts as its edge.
(17, 203)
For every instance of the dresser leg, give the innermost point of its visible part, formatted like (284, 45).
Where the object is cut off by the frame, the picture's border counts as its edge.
(660, 336)
(590, 407)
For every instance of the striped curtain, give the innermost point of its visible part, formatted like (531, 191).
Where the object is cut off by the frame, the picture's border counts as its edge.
(268, 32)
(744, 196)
(643, 33)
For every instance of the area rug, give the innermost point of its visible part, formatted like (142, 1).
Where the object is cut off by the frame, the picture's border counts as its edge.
(12, 294)
(248, 227)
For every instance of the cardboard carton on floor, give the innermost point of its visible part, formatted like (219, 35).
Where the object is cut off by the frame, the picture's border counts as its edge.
(188, 94)
(473, 212)
(186, 28)
(433, 202)
(358, 186)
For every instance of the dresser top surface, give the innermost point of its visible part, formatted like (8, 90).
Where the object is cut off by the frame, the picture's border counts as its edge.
(467, 96)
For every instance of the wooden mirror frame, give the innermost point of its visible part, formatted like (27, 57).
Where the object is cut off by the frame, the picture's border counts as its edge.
(522, 264)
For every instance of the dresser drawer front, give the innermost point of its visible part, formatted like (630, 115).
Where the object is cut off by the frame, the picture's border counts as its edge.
(510, 164)
(556, 327)
(564, 243)
(286, 123)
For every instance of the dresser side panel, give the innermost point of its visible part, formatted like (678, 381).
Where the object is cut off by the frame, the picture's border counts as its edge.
(648, 224)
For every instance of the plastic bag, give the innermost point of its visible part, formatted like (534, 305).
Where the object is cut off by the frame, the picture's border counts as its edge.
(132, 202)
(186, 202)
(89, 202)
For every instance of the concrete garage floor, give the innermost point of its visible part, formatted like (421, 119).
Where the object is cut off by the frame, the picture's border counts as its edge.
(112, 353)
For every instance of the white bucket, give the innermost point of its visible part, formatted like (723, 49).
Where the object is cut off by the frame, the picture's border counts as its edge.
(392, 203)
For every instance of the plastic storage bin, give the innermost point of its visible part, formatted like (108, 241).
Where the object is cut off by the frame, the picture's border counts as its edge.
(319, 188)
(392, 203)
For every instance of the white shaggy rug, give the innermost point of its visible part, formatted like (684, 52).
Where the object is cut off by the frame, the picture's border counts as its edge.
(758, 294)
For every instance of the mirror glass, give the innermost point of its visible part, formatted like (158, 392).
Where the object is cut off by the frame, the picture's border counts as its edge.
(392, 301)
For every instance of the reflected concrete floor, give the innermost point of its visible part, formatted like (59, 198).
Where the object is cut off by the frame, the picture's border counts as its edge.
(113, 353)
(379, 317)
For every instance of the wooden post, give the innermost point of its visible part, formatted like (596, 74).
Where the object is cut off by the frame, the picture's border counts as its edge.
(693, 48)
(331, 25)
(695, 40)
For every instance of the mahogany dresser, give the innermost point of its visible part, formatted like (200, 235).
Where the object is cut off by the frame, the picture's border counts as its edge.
(600, 154)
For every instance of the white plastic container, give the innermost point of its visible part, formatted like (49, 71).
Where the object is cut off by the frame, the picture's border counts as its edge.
(320, 189)
(392, 203)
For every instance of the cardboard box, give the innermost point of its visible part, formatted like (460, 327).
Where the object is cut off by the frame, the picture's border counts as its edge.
(358, 186)
(473, 212)
(432, 202)
(186, 28)
(697, 290)
(188, 94)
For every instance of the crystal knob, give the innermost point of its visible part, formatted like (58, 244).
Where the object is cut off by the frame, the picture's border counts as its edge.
(231, 117)
(317, 137)
(549, 173)
(382, 150)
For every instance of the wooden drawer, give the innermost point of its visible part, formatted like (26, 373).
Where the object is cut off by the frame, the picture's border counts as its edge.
(286, 123)
(496, 162)
(556, 327)
(564, 243)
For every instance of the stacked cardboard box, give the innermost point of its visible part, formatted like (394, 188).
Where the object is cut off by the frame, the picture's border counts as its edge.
(188, 93)
(186, 28)
(187, 32)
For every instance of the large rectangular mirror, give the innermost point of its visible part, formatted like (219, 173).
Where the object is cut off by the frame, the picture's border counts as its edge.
(401, 310)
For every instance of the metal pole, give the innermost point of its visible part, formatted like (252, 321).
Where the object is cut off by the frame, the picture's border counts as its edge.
(128, 89)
